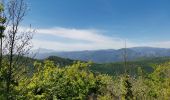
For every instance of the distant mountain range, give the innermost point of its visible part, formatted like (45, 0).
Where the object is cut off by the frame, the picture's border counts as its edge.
(106, 56)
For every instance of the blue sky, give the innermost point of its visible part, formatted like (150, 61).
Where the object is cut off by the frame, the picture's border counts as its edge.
(72, 25)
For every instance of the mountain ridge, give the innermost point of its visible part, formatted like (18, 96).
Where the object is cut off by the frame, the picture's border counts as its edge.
(109, 55)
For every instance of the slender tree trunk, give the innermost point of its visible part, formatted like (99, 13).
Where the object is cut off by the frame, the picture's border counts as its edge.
(10, 67)
(125, 58)
(1, 55)
(17, 43)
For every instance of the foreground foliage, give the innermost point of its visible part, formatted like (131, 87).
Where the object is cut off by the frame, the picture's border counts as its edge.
(51, 82)
(72, 82)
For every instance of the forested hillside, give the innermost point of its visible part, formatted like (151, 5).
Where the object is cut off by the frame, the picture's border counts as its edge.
(76, 81)
(146, 64)
(59, 76)
(117, 68)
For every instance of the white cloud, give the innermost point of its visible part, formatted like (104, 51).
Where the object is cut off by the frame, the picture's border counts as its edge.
(75, 46)
(95, 40)
(76, 34)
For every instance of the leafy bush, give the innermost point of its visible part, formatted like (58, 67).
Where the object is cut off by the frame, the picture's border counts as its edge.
(71, 82)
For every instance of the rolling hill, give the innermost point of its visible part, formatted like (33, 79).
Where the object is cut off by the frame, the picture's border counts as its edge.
(117, 68)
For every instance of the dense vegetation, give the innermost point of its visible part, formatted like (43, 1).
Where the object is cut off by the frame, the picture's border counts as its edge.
(116, 68)
(76, 81)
